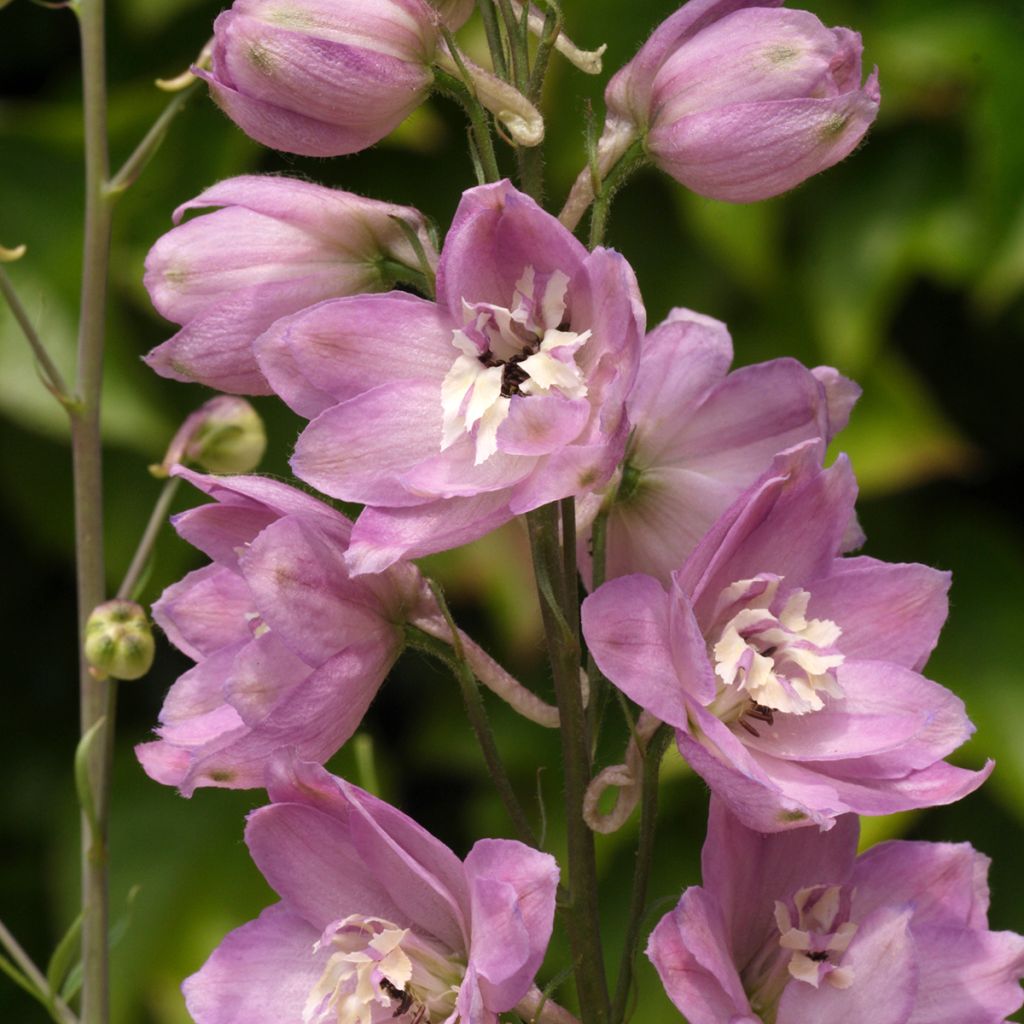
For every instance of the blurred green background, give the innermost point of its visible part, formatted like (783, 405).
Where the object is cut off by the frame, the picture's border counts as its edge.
(904, 267)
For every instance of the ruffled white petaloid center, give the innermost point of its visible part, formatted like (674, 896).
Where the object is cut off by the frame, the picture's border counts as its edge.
(816, 941)
(769, 656)
(506, 353)
(379, 972)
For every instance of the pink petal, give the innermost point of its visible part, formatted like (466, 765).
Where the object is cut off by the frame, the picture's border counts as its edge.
(947, 883)
(690, 951)
(541, 424)
(351, 345)
(261, 973)
(359, 450)
(296, 573)
(967, 975)
(628, 624)
(888, 612)
(512, 894)
(383, 536)
(885, 979)
(498, 232)
(205, 611)
(747, 871)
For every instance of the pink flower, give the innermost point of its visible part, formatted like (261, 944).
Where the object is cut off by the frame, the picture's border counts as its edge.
(739, 100)
(700, 436)
(324, 77)
(377, 919)
(791, 675)
(449, 418)
(275, 246)
(289, 650)
(794, 928)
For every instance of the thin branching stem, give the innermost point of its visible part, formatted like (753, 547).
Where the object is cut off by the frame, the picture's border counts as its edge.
(140, 559)
(150, 143)
(494, 41)
(58, 1008)
(52, 376)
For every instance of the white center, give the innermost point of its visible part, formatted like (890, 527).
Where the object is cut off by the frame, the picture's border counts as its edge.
(815, 942)
(779, 659)
(506, 354)
(378, 971)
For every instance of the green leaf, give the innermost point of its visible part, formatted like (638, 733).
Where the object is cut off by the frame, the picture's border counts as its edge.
(117, 932)
(62, 960)
(83, 784)
(21, 980)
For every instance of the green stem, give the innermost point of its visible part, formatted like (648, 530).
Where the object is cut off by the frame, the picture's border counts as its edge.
(157, 518)
(627, 164)
(454, 657)
(97, 695)
(458, 91)
(494, 43)
(595, 677)
(582, 917)
(150, 143)
(644, 860)
(51, 375)
(59, 1009)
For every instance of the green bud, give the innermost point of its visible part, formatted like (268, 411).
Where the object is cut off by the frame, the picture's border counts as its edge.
(224, 435)
(118, 640)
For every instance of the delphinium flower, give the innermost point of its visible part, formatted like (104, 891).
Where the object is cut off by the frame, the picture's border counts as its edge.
(794, 928)
(274, 246)
(289, 650)
(329, 77)
(699, 437)
(738, 100)
(448, 418)
(791, 675)
(378, 920)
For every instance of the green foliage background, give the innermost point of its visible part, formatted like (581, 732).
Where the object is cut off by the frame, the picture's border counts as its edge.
(904, 267)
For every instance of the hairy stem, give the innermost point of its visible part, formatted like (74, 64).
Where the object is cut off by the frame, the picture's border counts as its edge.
(494, 41)
(454, 657)
(641, 877)
(97, 695)
(480, 129)
(582, 917)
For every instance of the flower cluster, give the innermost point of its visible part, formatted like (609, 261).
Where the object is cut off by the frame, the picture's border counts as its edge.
(715, 539)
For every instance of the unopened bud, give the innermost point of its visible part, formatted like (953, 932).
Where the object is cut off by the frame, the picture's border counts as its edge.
(224, 435)
(118, 640)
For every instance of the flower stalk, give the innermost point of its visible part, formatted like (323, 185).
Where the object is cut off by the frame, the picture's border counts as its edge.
(582, 916)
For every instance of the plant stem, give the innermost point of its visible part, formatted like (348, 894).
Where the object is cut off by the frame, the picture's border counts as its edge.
(61, 1010)
(52, 377)
(454, 657)
(644, 859)
(481, 131)
(493, 32)
(142, 553)
(150, 143)
(582, 917)
(97, 695)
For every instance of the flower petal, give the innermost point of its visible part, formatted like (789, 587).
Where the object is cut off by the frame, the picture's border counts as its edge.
(260, 973)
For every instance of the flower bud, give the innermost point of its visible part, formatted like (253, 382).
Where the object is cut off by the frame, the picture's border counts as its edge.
(118, 640)
(323, 77)
(275, 246)
(224, 435)
(741, 101)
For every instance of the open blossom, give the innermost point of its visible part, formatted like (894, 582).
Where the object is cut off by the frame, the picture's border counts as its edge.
(791, 675)
(699, 437)
(447, 418)
(378, 920)
(289, 650)
(275, 245)
(740, 100)
(794, 928)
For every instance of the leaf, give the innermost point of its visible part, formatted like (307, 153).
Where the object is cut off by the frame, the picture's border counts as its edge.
(63, 958)
(117, 932)
(83, 784)
(21, 980)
